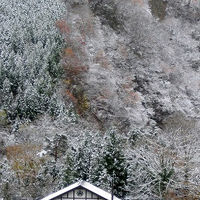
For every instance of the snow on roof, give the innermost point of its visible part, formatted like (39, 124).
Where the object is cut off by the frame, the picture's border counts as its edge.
(85, 185)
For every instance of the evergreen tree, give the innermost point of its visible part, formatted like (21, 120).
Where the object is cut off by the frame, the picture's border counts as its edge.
(30, 47)
(57, 146)
(81, 160)
(112, 170)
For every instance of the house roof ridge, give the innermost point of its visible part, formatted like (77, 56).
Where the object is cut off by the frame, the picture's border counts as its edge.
(84, 184)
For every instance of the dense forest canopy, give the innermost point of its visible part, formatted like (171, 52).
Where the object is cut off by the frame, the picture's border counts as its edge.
(105, 91)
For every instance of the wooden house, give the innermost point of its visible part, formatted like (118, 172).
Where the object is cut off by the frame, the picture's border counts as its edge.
(81, 190)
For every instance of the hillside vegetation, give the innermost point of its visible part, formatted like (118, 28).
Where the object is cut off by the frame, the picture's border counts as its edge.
(105, 91)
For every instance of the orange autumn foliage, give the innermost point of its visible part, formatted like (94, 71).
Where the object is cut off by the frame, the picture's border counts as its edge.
(71, 96)
(73, 63)
(25, 161)
(63, 27)
(170, 195)
(80, 101)
(21, 151)
(69, 52)
(73, 71)
(139, 2)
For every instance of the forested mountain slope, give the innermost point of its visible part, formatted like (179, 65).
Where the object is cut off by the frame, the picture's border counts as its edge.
(107, 91)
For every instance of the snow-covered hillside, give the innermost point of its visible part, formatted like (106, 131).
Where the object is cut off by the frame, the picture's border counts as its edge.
(107, 91)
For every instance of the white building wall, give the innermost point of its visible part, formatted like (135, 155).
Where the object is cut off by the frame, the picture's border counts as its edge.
(79, 194)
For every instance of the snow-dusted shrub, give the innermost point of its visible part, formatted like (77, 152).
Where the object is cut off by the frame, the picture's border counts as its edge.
(30, 47)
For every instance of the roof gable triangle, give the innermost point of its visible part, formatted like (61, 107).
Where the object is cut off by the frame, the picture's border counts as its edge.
(85, 185)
